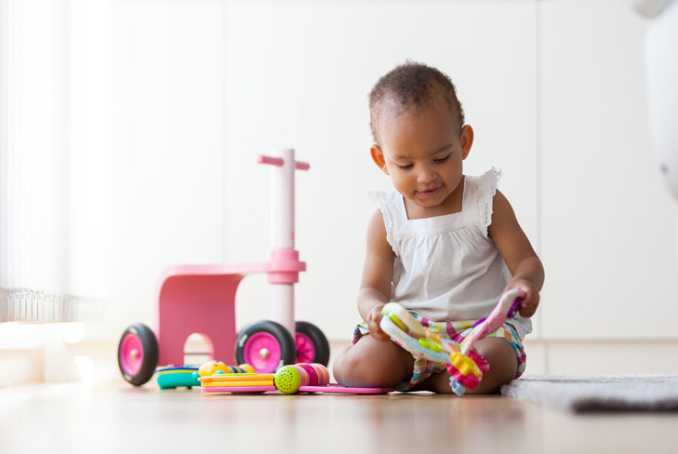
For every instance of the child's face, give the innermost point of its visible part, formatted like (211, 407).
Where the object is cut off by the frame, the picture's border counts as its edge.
(423, 152)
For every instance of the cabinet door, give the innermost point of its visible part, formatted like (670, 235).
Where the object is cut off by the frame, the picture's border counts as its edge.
(608, 221)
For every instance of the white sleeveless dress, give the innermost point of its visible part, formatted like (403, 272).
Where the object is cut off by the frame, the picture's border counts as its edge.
(447, 268)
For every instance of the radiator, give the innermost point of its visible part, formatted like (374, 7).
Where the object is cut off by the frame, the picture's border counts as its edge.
(24, 305)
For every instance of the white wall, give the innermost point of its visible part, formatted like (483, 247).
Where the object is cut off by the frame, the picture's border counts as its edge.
(554, 90)
(165, 149)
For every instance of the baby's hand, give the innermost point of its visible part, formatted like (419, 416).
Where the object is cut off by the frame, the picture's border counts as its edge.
(373, 320)
(529, 304)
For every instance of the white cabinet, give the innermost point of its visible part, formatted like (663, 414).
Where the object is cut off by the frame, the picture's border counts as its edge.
(608, 222)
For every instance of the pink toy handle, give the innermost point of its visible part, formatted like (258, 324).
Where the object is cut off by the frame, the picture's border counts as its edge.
(507, 308)
(278, 162)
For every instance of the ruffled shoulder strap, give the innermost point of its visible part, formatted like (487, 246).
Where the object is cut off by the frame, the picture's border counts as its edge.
(385, 203)
(487, 188)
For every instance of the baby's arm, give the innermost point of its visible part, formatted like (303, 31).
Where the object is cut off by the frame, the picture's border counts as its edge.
(375, 289)
(522, 261)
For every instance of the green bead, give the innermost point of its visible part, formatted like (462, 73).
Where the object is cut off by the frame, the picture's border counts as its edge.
(287, 380)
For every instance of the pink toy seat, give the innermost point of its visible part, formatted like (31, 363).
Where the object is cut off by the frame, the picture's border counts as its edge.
(199, 299)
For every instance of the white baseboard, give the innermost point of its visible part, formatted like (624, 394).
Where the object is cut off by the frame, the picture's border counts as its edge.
(96, 360)
(602, 356)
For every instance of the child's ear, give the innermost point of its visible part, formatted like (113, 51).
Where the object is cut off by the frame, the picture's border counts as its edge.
(466, 140)
(378, 158)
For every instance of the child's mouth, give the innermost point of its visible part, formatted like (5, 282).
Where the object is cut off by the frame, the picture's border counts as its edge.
(430, 193)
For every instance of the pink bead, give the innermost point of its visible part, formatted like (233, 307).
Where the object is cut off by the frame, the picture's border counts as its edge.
(311, 372)
(323, 374)
(305, 377)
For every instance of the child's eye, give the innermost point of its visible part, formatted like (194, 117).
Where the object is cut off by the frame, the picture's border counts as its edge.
(441, 159)
(406, 166)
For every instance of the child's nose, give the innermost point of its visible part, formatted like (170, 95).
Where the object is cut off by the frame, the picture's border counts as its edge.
(426, 176)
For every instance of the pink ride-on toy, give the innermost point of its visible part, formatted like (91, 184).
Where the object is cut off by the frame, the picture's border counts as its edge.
(201, 299)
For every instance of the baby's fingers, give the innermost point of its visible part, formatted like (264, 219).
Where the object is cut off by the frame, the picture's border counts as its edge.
(529, 305)
(376, 332)
(380, 336)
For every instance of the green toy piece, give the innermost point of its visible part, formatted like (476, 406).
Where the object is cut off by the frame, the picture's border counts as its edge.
(173, 377)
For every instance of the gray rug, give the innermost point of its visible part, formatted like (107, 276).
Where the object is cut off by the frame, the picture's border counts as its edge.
(601, 393)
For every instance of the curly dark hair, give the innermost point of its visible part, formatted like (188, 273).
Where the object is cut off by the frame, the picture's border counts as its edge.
(412, 85)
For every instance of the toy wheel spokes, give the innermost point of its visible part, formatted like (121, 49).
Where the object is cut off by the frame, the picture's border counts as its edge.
(137, 354)
(265, 346)
(305, 348)
(311, 343)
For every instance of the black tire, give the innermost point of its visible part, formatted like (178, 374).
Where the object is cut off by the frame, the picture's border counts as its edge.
(322, 347)
(287, 350)
(149, 347)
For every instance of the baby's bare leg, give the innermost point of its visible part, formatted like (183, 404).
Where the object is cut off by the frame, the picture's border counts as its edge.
(372, 364)
(503, 367)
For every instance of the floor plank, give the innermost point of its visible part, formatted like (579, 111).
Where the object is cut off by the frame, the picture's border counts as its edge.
(115, 417)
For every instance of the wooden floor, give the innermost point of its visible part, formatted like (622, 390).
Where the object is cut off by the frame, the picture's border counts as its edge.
(115, 417)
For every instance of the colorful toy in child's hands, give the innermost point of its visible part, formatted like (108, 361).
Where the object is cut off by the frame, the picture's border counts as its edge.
(465, 365)
(403, 328)
(506, 308)
(468, 367)
(302, 377)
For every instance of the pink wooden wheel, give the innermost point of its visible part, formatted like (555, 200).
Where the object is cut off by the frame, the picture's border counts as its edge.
(305, 348)
(266, 345)
(311, 343)
(137, 354)
(262, 350)
(131, 354)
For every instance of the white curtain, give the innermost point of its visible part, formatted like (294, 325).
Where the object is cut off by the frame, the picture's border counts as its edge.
(48, 169)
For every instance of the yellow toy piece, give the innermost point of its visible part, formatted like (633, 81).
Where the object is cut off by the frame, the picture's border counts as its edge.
(247, 368)
(211, 368)
(217, 367)
(237, 380)
(465, 365)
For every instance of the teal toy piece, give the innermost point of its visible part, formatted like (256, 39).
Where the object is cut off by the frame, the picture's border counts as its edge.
(174, 377)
